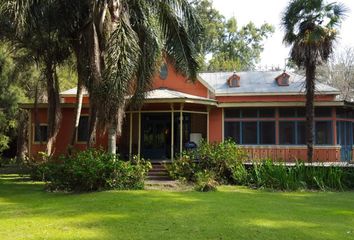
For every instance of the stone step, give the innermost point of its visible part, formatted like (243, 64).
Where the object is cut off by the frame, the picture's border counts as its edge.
(159, 178)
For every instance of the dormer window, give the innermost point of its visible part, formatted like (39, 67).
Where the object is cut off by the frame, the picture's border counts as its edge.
(234, 80)
(283, 79)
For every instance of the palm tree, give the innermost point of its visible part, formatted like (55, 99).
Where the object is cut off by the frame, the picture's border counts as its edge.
(123, 42)
(311, 30)
(32, 27)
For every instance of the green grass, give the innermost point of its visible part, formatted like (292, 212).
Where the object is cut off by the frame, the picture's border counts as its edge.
(28, 212)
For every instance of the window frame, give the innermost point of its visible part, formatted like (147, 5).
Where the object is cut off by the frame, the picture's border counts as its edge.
(34, 134)
(77, 130)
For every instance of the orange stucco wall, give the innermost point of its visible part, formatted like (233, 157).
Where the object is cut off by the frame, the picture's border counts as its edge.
(180, 83)
(64, 134)
(215, 125)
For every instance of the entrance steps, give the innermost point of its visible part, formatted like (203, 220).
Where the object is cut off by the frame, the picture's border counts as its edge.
(158, 172)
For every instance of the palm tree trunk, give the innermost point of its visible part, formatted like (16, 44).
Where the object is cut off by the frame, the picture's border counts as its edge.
(22, 133)
(112, 139)
(310, 98)
(82, 76)
(54, 111)
(95, 63)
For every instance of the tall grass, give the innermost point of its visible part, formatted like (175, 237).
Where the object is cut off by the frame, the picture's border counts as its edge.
(277, 175)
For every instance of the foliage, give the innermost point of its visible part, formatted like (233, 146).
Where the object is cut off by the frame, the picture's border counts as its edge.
(91, 170)
(232, 48)
(183, 169)
(218, 159)
(205, 182)
(277, 175)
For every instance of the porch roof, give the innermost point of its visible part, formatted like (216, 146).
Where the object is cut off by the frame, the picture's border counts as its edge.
(168, 95)
(161, 95)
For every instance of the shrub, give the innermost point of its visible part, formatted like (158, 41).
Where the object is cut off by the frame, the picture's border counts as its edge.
(184, 169)
(91, 170)
(205, 182)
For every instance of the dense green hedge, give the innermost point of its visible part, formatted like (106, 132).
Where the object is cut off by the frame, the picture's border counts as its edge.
(211, 164)
(91, 170)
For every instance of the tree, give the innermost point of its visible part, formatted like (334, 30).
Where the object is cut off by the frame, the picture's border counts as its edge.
(230, 46)
(32, 26)
(339, 73)
(310, 29)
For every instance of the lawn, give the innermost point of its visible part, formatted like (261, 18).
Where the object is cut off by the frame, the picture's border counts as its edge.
(28, 212)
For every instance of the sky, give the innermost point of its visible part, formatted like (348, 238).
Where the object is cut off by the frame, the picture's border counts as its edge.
(261, 11)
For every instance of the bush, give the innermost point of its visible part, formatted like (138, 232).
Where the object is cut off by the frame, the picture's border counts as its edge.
(219, 159)
(276, 175)
(205, 182)
(91, 170)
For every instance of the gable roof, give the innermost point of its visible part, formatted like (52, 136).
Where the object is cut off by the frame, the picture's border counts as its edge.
(261, 83)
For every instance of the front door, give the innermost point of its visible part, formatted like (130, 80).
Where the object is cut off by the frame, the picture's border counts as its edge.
(345, 139)
(156, 136)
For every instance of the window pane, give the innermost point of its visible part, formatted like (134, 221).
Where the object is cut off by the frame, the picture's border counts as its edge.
(249, 133)
(323, 112)
(232, 130)
(82, 131)
(249, 113)
(267, 132)
(287, 112)
(301, 133)
(266, 112)
(41, 133)
(323, 133)
(232, 113)
(301, 112)
(341, 113)
(287, 133)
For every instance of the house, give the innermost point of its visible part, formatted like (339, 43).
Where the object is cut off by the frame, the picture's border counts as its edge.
(263, 111)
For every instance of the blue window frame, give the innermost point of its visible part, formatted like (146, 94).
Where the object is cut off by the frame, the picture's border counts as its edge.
(292, 133)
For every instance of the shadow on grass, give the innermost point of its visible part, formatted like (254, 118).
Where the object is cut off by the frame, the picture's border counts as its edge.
(230, 213)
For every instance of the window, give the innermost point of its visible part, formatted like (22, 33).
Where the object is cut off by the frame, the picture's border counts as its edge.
(287, 133)
(323, 112)
(287, 112)
(232, 131)
(266, 113)
(249, 133)
(40, 134)
(323, 132)
(82, 130)
(164, 71)
(267, 132)
(249, 113)
(232, 113)
(301, 133)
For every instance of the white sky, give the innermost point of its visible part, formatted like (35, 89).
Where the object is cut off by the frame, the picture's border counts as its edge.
(260, 11)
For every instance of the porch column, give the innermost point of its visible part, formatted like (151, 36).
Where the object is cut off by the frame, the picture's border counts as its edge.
(139, 134)
(334, 125)
(277, 126)
(222, 125)
(172, 132)
(181, 129)
(208, 110)
(130, 135)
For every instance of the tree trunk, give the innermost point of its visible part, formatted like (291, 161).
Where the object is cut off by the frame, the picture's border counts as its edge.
(310, 98)
(95, 64)
(82, 76)
(54, 111)
(112, 139)
(22, 133)
(115, 130)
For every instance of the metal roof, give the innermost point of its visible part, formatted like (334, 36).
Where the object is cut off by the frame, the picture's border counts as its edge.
(252, 83)
(261, 83)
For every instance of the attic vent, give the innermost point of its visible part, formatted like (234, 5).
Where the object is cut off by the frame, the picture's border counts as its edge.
(234, 80)
(283, 79)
